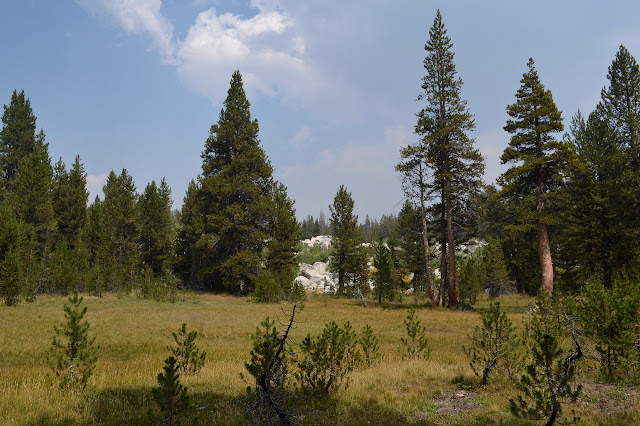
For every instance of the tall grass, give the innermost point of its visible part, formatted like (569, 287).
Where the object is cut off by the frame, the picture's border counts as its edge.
(133, 335)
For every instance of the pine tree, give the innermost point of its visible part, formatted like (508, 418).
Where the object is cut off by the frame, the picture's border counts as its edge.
(156, 227)
(10, 255)
(285, 232)
(74, 354)
(120, 221)
(385, 278)
(188, 255)
(346, 237)
(443, 125)
(188, 356)
(170, 395)
(17, 138)
(411, 244)
(538, 161)
(236, 185)
(70, 198)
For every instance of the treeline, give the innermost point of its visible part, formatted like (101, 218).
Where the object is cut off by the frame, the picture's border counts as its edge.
(372, 230)
(236, 231)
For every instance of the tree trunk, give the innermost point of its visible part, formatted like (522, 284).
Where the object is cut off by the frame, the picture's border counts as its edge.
(427, 253)
(544, 252)
(453, 293)
(443, 252)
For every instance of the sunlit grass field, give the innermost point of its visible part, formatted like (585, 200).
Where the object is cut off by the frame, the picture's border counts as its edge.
(134, 334)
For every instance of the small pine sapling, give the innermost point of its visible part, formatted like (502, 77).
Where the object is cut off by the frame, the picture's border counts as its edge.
(266, 341)
(369, 343)
(493, 344)
(170, 395)
(546, 384)
(352, 354)
(73, 354)
(415, 345)
(188, 357)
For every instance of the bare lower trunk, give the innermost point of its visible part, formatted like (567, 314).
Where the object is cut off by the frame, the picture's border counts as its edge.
(443, 253)
(453, 293)
(427, 254)
(544, 252)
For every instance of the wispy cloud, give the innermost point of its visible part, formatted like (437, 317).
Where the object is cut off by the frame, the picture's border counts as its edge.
(94, 185)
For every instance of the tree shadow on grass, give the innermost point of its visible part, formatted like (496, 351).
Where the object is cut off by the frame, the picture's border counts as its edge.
(129, 406)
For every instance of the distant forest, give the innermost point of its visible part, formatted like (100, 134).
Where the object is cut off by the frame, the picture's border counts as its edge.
(566, 212)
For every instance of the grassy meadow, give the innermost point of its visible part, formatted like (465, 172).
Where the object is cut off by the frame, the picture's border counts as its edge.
(133, 335)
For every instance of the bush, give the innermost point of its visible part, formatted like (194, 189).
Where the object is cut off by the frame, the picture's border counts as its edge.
(313, 254)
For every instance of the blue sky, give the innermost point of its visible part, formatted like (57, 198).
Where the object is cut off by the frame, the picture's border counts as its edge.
(137, 84)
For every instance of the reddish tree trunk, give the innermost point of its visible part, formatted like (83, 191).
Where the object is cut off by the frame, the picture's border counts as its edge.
(544, 252)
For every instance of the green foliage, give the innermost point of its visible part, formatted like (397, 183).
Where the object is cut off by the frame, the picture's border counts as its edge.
(325, 361)
(546, 384)
(70, 198)
(120, 223)
(189, 359)
(170, 395)
(386, 279)
(73, 354)
(493, 345)
(415, 345)
(313, 254)
(10, 255)
(17, 137)
(370, 346)
(469, 278)
(346, 238)
(155, 227)
(612, 317)
(265, 344)
(234, 207)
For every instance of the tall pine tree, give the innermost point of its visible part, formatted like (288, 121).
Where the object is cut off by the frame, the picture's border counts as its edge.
(443, 125)
(156, 227)
(537, 160)
(345, 237)
(236, 185)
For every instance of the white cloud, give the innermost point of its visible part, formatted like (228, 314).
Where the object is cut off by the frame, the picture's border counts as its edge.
(266, 48)
(139, 17)
(302, 137)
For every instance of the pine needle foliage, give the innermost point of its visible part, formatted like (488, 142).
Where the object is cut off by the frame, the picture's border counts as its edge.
(188, 356)
(415, 345)
(170, 395)
(370, 346)
(265, 344)
(74, 353)
(547, 382)
(492, 345)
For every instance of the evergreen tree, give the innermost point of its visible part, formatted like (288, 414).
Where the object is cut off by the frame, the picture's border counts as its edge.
(120, 221)
(417, 186)
(156, 227)
(170, 395)
(70, 198)
(10, 255)
(385, 278)
(411, 244)
(74, 353)
(282, 258)
(188, 259)
(17, 137)
(443, 125)
(346, 237)
(538, 161)
(236, 184)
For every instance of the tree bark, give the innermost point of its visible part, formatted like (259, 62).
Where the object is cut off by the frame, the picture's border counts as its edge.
(443, 252)
(544, 252)
(453, 293)
(427, 253)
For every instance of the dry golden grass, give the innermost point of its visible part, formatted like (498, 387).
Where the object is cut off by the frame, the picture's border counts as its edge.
(133, 336)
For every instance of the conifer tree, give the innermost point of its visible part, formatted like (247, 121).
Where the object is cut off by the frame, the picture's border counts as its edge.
(70, 198)
(537, 161)
(120, 221)
(346, 237)
(410, 238)
(188, 255)
(443, 125)
(236, 185)
(74, 353)
(170, 395)
(10, 255)
(17, 137)
(285, 231)
(385, 278)
(156, 227)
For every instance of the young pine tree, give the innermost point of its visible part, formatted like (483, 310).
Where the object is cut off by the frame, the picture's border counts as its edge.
(189, 359)
(346, 237)
(74, 353)
(415, 345)
(170, 395)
